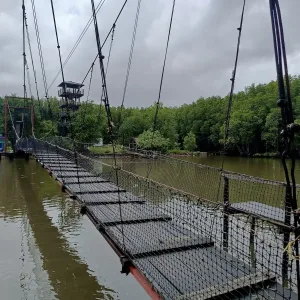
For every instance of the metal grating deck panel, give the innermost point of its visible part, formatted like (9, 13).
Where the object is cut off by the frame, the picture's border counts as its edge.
(101, 187)
(109, 214)
(154, 238)
(94, 199)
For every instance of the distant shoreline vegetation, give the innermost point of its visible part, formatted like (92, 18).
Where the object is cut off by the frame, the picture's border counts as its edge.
(255, 123)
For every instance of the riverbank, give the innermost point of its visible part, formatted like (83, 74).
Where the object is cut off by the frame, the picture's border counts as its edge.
(107, 150)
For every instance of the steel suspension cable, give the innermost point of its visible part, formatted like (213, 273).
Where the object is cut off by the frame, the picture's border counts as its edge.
(37, 33)
(39, 48)
(129, 62)
(32, 62)
(161, 82)
(28, 80)
(24, 69)
(82, 34)
(111, 29)
(163, 68)
(62, 70)
(24, 54)
(87, 98)
(107, 109)
(107, 64)
(227, 120)
(131, 51)
(12, 122)
(288, 135)
(228, 113)
(58, 48)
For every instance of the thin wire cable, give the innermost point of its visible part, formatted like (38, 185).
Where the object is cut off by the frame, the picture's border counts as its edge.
(161, 81)
(87, 99)
(24, 65)
(131, 51)
(61, 66)
(82, 34)
(228, 114)
(37, 33)
(107, 64)
(58, 47)
(32, 62)
(12, 122)
(39, 48)
(289, 128)
(111, 29)
(28, 80)
(108, 111)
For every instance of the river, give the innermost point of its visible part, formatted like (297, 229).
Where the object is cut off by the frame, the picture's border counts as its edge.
(48, 250)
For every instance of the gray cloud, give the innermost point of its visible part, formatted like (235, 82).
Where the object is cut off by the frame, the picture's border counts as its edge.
(201, 53)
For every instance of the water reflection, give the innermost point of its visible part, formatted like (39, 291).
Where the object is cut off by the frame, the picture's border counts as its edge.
(27, 198)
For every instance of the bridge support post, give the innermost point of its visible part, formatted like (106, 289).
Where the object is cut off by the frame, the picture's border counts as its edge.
(251, 242)
(225, 213)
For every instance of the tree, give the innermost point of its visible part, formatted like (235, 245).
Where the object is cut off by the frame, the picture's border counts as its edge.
(270, 132)
(86, 126)
(189, 142)
(132, 127)
(153, 141)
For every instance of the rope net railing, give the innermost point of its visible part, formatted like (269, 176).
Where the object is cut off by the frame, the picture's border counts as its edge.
(189, 246)
(207, 182)
(247, 193)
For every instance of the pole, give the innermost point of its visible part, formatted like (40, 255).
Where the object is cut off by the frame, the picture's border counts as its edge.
(225, 213)
(32, 120)
(5, 125)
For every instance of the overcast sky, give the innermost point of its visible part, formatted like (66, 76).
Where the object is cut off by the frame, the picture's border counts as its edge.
(201, 52)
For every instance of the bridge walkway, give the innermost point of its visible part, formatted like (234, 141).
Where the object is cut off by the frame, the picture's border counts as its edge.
(152, 241)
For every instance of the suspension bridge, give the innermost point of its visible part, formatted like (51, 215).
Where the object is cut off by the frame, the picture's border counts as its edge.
(226, 236)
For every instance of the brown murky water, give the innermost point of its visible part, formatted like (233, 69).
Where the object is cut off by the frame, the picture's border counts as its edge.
(48, 250)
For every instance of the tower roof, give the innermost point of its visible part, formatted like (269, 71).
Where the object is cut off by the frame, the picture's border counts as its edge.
(71, 84)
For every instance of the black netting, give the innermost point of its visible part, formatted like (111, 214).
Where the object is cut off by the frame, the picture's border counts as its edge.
(221, 237)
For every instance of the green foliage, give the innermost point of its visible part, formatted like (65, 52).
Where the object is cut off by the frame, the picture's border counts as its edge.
(255, 122)
(189, 142)
(86, 127)
(47, 128)
(106, 149)
(153, 141)
(271, 129)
